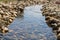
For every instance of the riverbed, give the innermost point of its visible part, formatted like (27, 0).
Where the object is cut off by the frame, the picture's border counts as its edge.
(30, 25)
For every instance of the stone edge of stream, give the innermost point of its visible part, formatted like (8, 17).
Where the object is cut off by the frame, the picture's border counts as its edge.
(51, 11)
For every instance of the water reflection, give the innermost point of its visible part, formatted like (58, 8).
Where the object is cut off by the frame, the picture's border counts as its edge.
(30, 26)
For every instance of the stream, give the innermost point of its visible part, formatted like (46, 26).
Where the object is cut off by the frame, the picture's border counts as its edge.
(30, 25)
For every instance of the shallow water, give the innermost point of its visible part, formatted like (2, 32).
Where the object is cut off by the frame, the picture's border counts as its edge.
(30, 25)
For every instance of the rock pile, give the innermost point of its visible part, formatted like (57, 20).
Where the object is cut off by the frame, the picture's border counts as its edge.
(7, 15)
(51, 11)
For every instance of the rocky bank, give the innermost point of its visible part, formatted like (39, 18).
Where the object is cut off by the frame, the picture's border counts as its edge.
(51, 11)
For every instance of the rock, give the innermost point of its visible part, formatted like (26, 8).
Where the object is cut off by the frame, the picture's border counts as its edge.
(57, 2)
(4, 29)
(21, 9)
(47, 18)
(58, 25)
(54, 27)
(58, 31)
(58, 37)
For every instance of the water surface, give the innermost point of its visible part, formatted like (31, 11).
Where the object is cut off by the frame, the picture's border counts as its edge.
(30, 25)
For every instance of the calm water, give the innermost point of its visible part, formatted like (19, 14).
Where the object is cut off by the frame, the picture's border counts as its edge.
(30, 25)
